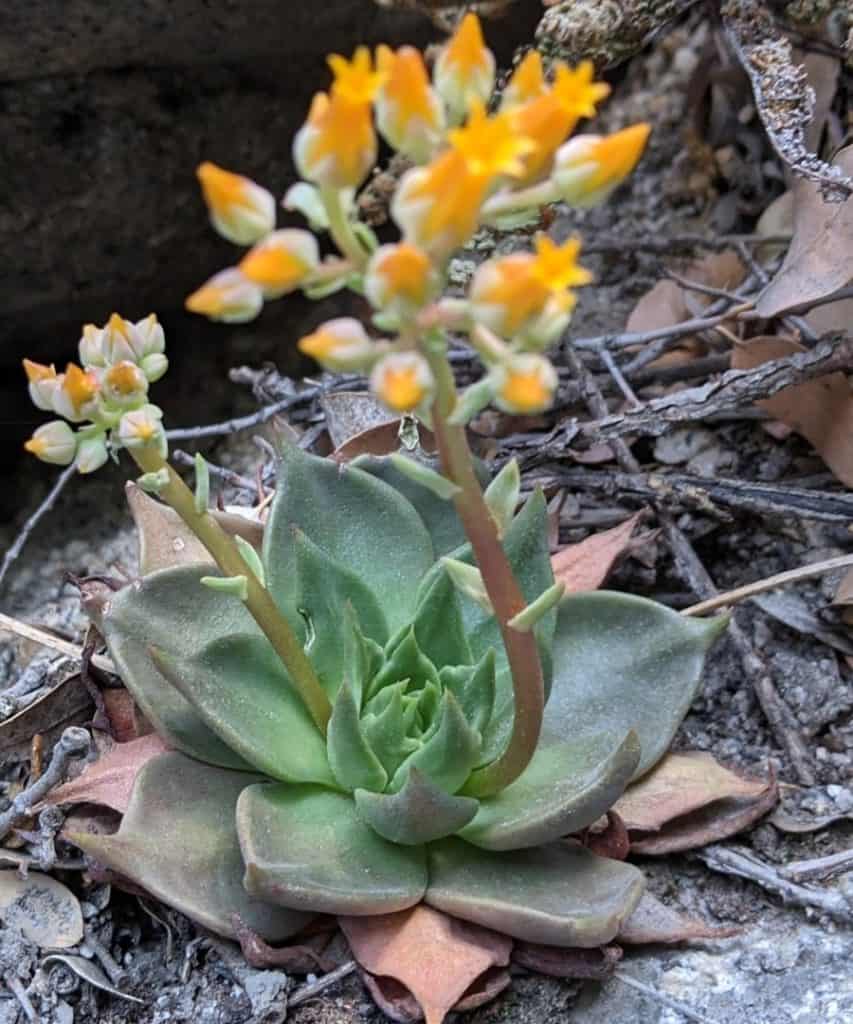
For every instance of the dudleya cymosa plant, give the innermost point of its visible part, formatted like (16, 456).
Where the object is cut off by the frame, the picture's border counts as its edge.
(390, 701)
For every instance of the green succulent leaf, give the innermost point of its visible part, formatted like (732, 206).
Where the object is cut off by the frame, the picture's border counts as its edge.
(362, 657)
(354, 518)
(307, 848)
(624, 662)
(170, 609)
(438, 516)
(559, 894)
(404, 659)
(502, 495)
(474, 688)
(388, 729)
(179, 842)
(438, 625)
(240, 689)
(417, 813)
(567, 786)
(352, 759)
(448, 755)
(320, 591)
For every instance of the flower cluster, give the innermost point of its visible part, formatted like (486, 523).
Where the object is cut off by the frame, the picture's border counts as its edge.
(476, 161)
(107, 394)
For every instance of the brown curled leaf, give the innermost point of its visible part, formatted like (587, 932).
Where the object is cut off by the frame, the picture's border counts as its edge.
(654, 921)
(585, 566)
(596, 964)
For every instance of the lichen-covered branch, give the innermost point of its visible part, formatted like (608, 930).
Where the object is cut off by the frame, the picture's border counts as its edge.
(784, 99)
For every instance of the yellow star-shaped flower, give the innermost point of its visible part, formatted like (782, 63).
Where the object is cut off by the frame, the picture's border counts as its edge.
(556, 266)
(491, 146)
(355, 80)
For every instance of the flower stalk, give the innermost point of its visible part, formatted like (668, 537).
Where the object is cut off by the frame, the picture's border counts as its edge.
(501, 585)
(259, 601)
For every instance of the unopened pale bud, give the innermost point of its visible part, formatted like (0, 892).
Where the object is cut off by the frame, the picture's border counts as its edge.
(281, 262)
(240, 210)
(154, 366)
(525, 384)
(120, 341)
(53, 442)
(400, 279)
(91, 454)
(43, 382)
(91, 346)
(151, 335)
(341, 345)
(589, 167)
(402, 381)
(465, 68)
(228, 296)
(142, 427)
(124, 385)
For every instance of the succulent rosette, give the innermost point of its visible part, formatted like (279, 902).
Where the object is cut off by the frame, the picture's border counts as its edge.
(258, 816)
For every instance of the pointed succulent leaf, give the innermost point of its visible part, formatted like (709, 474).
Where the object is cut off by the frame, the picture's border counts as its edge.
(474, 688)
(567, 786)
(529, 616)
(320, 591)
(239, 687)
(353, 762)
(502, 495)
(417, 813)
(559, 894)
(439, 516)
(171, 610)
(448, 755)
(468, 580)
(438, 625)
(363, 657)
(624, 662)
(388, 730)
(404, 660)
(352, 517)
(178, 841)
(307, 848)
(425, 476)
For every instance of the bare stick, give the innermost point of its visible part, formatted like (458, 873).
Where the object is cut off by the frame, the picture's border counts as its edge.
(33, 520)
(221, 472)
(55, 643)
(781, 579)
(13, 983)
(240, 422)
(314, 988)
(730, 860)
(628, 339)
(730, 391)
(662, 998)
(819, 867)
(74, 742)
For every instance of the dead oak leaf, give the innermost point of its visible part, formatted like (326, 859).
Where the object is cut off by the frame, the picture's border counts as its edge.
(586, 565)
(109, 780)
(435, 958)
(678, 785)
(821, 410)
(819, 258)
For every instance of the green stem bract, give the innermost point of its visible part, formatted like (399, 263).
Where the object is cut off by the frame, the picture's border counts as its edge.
(259, 601)
(524, 199)
(501, 586)
(341, 229)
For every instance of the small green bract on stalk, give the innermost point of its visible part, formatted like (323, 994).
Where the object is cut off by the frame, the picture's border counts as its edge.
(390, 702)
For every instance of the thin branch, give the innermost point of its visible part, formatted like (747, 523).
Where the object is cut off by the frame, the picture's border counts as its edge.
(731, 390)
(56, 643)
(628, 339)
(662, 998)
(234, 426)
(73, 743)
(729, 860)
(34, 519)
(314, 988)
(781, 579)
(220, 472)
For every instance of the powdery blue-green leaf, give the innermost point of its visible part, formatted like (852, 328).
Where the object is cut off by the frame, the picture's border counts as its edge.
(567, 786)
(240, 689)
(559, 894)
(362, 657)
(449, 754)
(418, 813)
(354, 518)
(353, 761)
(307, 848)
(170, 609)
(319, 592)
(624, 662)
(438, 625)
(178, 841)
(439, 516)
(474, 688)
(389, 727)
(404, 660)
